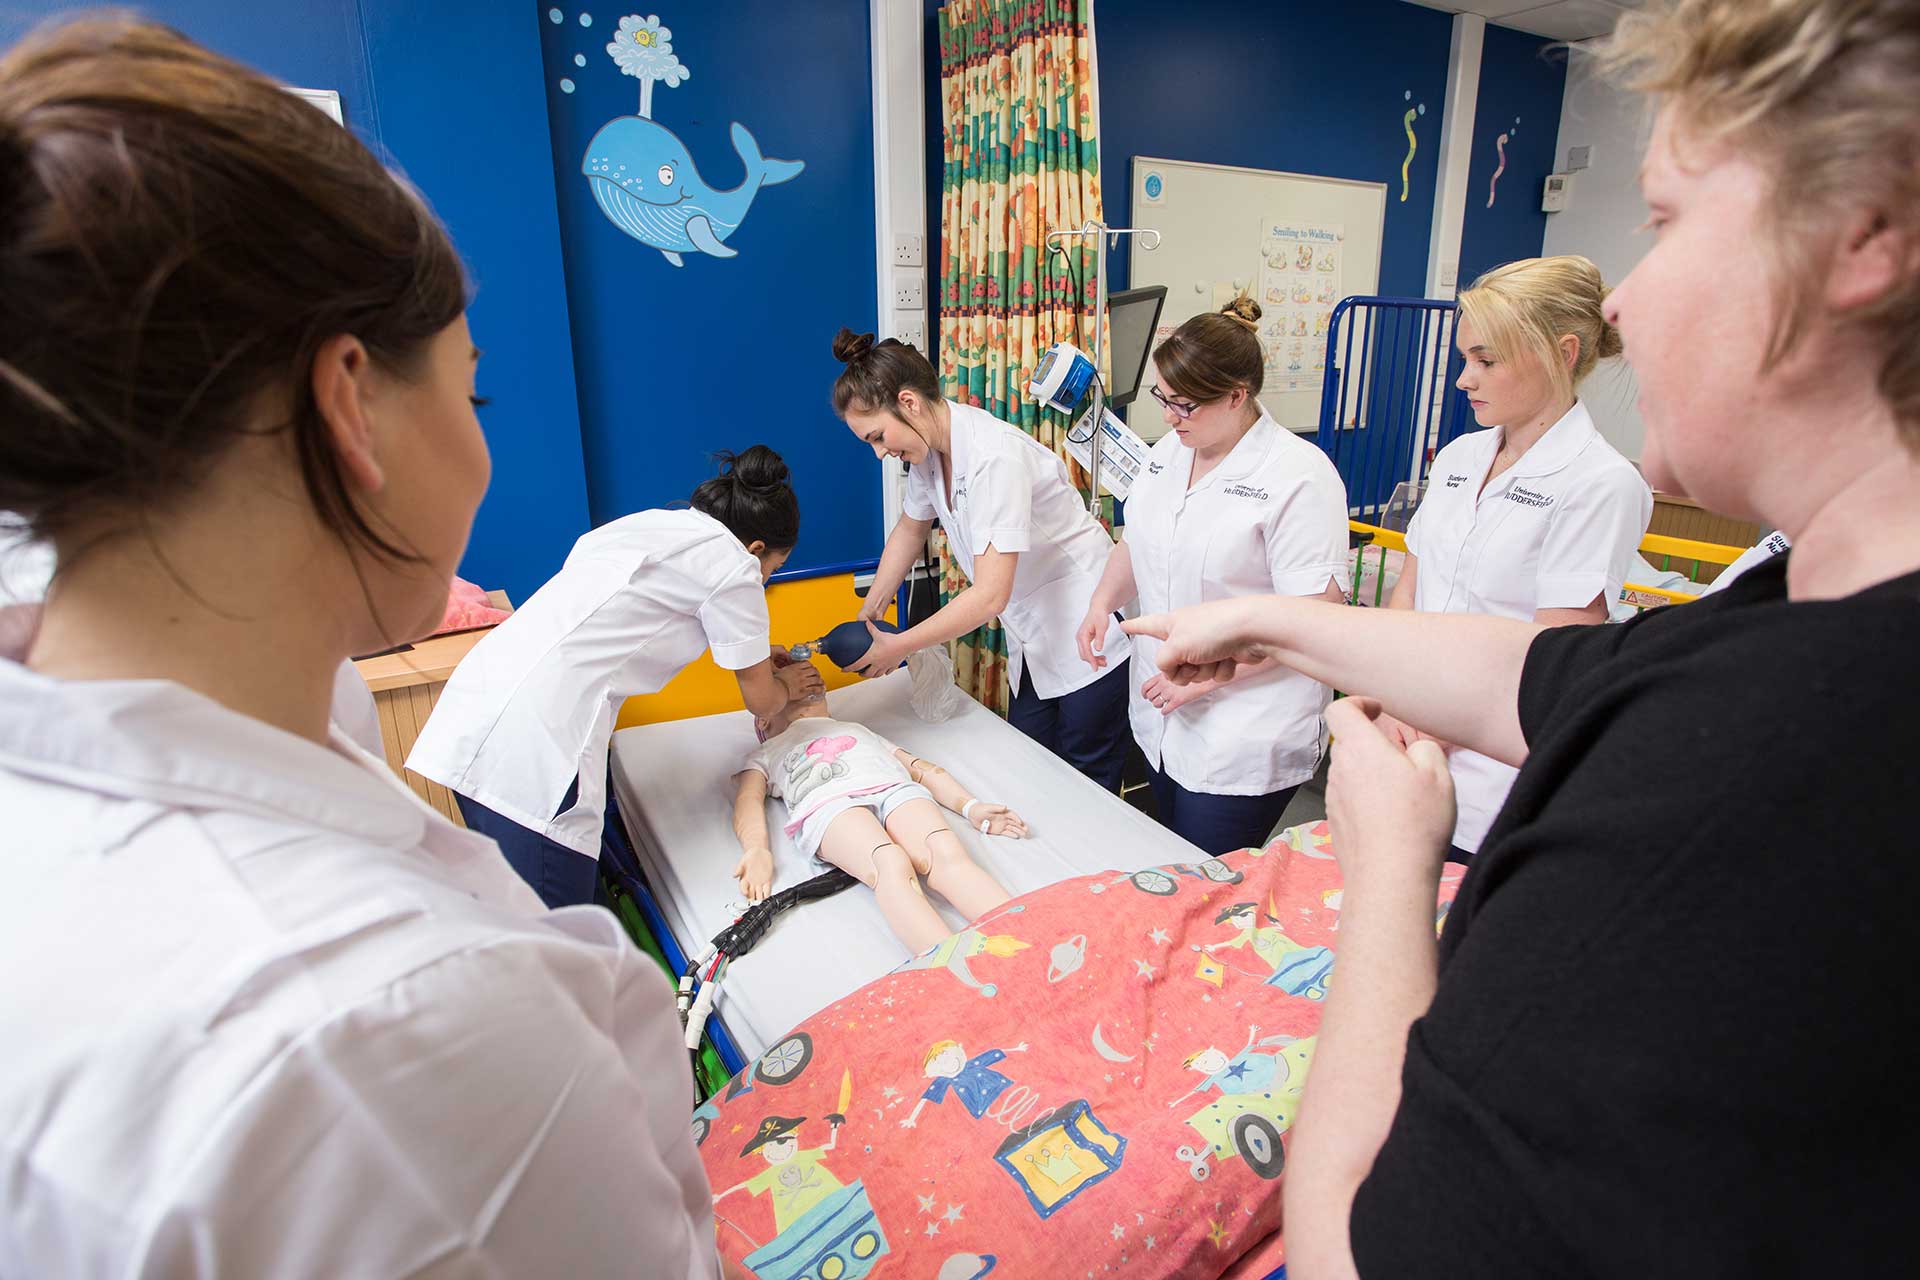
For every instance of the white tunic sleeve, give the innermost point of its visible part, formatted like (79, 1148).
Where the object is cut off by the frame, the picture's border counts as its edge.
(736, 622)
(1413, 531)
(1000, 491)
(517, 1108)
(916, 496)
(593, 1135)
(1307, 541)
(1592, 539)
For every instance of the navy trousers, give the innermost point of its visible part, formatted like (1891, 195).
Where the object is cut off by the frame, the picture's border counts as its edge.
(562, 877)
(1087, 728)
(1217, 824)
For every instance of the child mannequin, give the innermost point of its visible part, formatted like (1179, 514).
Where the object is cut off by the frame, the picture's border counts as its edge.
(860, 803)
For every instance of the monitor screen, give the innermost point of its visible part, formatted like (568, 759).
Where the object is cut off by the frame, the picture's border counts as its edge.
(1131, 317)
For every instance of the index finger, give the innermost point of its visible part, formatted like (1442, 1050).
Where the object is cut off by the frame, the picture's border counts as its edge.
(1157, 625)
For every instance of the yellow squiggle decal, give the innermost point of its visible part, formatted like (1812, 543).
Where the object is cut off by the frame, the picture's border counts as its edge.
(1413, 144)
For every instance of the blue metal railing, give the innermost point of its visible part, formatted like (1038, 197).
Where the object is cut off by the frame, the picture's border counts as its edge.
(1384, 414)
(855, 567)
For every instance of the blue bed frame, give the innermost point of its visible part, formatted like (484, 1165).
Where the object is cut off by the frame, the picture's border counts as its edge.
(622, 866)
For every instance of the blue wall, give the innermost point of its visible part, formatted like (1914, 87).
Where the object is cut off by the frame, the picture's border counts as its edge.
(408, 78)
(674, 363)
(1521, 88)
(311, 43)
(457, 86)
(1304, 88)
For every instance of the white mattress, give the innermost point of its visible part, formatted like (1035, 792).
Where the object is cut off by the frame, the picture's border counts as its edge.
(674, 785)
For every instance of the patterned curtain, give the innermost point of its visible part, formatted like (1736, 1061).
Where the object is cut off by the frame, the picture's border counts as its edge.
(1016, 82)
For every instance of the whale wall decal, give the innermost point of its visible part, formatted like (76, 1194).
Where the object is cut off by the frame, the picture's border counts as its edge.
(644, 180)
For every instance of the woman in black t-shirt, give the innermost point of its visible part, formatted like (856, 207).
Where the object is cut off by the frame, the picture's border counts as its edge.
(1666, 1029)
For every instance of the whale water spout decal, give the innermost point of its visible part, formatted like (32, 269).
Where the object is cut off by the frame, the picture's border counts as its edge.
(643, 177)
(643, 49)
(644, 180)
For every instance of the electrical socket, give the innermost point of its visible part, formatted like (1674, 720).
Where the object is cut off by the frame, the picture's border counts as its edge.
(909, 290)
(909, 251)
(913, 332)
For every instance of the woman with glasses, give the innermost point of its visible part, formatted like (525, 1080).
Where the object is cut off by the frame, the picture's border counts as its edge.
(1230, 504)
(1019, 531)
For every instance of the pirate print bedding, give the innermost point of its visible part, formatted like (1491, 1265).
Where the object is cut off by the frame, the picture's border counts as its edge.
(1102, 1072)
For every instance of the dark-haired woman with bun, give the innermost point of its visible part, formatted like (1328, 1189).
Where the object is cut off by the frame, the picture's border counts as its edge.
(1017, 528)
(1231, 504)
(266, 1013)
(520, 733)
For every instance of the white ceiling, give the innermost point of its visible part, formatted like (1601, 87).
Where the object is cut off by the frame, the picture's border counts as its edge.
(1555, 19)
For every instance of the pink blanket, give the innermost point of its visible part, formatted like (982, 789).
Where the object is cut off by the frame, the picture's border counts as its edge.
(1101, 1073)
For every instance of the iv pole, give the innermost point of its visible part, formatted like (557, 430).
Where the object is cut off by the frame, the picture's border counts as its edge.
(1095, 229)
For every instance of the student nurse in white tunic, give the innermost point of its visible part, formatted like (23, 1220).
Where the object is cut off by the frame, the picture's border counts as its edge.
(1019, 531)
(266, 1013)
(1537, 517)
(1230, 504)
(521, 732)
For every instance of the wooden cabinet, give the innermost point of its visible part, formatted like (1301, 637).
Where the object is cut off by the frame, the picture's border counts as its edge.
(406, 685)
(1678, 517)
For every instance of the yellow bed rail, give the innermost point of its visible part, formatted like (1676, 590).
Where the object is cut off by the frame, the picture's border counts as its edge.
(801, 609)
(1659, 545)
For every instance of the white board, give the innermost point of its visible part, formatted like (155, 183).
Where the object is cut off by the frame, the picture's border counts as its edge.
(1216, 227)
(327, 100)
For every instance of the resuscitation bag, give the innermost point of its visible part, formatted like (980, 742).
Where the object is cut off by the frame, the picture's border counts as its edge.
(935, 696)
(847, 643)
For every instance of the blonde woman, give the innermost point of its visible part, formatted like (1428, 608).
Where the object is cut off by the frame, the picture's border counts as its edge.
(1536, 518)
(1671, 1041)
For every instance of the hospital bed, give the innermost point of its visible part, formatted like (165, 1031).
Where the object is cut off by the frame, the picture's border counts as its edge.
(672, 786)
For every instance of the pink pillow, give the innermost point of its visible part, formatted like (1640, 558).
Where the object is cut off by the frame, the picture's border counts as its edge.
(467, 608)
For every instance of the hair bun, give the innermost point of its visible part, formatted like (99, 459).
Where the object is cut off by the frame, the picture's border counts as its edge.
(849, 346)
(757, 469)
(1243, 310)
(1610, 344)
